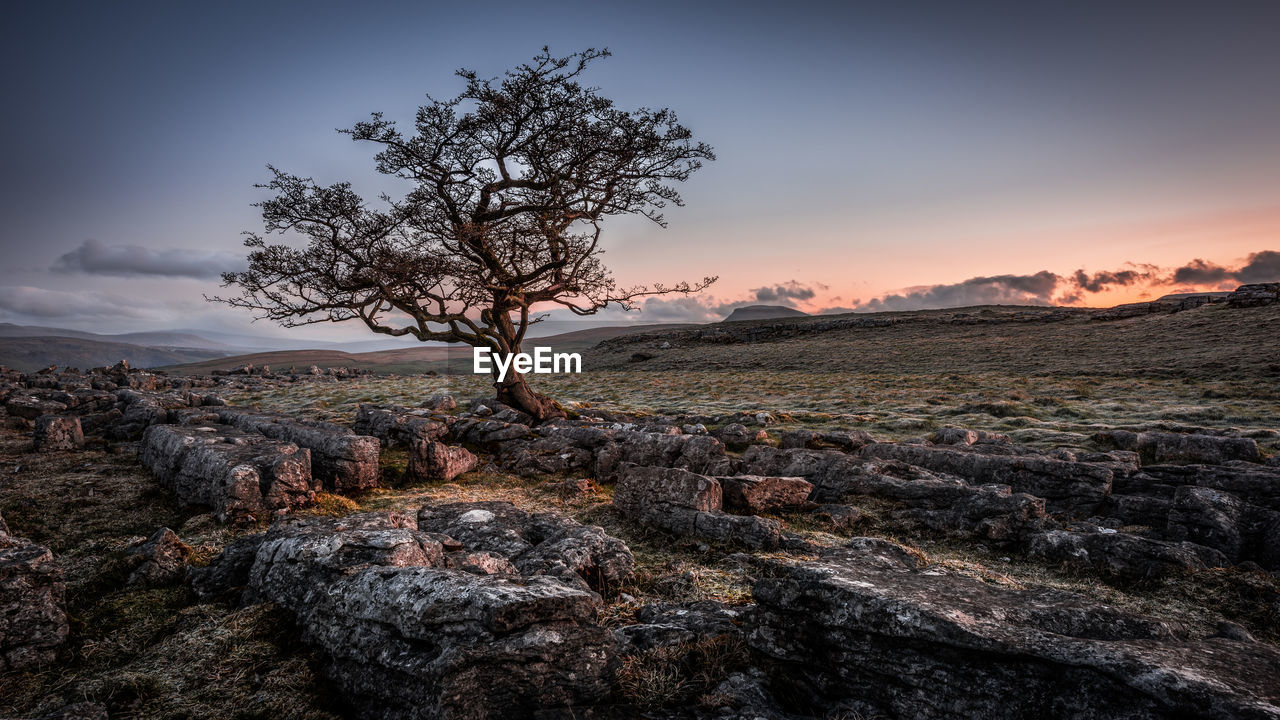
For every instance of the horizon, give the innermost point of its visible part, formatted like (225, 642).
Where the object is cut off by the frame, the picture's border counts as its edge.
(870, 158)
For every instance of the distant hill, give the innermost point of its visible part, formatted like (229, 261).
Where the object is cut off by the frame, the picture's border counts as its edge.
(454, 358)
(763, 312)
(35, 352)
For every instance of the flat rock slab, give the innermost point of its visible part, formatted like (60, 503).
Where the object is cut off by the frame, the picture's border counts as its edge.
(341, 459)
(33, 620)
(763, 493)
(242, 477)
(866, 626)
(686, 503)
(403, 636)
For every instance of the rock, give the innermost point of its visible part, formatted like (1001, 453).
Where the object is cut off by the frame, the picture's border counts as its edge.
(962, 436)
(736, 436)
(440, 403)
(1163, 447)
(402, 636)
(1254, 295)
(53, 432)
(839, 517)
(343, 461)
(161, 560)
(30, 407)
(227, 575)
(535, 543)
(480, 562)
(665, 625)
(868, 627)
(1122, 554)
(757, 493)
(1067, 487)
(33, 619)
(1208, 517)
(432, 461)
(686, 503)
(696, 453)
(241, 477)
(398, 426)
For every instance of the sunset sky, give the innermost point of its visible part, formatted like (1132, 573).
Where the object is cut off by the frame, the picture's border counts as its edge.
(871, 155)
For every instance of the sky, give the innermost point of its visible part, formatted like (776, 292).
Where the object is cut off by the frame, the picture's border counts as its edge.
(871, 155)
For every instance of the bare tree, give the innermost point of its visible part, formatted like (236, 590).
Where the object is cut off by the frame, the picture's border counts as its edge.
(511, 182)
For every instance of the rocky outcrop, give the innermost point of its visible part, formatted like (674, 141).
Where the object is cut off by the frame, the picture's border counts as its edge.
(242, 477)
(159, 560)
(341, 459)
(686, 503)
(867, 629)
(433, 461)
(403, 636)
(762, 493)
(1255, 295)
(33, 619)
(1067, 486)
(1164, 447)
(55, 433)
(397, 426)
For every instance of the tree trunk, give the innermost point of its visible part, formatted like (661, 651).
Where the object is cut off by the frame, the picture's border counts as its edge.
(515, 391)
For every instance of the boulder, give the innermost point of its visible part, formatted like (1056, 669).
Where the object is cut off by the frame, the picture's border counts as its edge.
(686, 503)
(761, 493)
(432, 461)
(242, 477)
(400, 635)
(1066, 486)
(867, 628)
(1122, 554)
(33, 619)
(159, 560)
(1254, 295)
(398, 426)
(1164, 447)
(30, 407)
(54, 432)
(341, 459)
(535, 543)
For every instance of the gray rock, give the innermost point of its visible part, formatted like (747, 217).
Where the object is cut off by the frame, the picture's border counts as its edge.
(686, 503)
(399, 426)
(160, 560)
(863, 626)
(432, 461)
(1164, 447)
(54, 432)
(1122, 554)
(33, 619)
(242, 477)
(341, 459)
(1254, 295)
(762, 493)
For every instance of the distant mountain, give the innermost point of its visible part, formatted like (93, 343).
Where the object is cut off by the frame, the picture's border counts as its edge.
(32, 353)
(763, 312)
(160, 338)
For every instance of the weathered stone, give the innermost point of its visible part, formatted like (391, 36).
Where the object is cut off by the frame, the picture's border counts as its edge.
(161, 559)
(963, 436)
(686, 503)
(760, 493)
(665, 625)
(432, 461)
(1163, 447)
(1122, 554)
(54, 432)
(30, 407)
(398, 426)
(1067, 487)
(242, 477)
(480, 562)
(872, 629)
(535, 543)
(1254, 295)
(33, 619)
(342, 460)
(401, 636)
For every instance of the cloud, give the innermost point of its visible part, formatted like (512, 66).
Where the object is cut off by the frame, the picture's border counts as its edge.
(1034, 289)
(35, 302)
(1100, 281)
(1261, 266)
(785, 293)
(97, 258)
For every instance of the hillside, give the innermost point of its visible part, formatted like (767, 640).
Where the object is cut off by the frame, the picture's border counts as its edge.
(1213, 341)
(763, 312)
(456, 358)
(33, 353)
